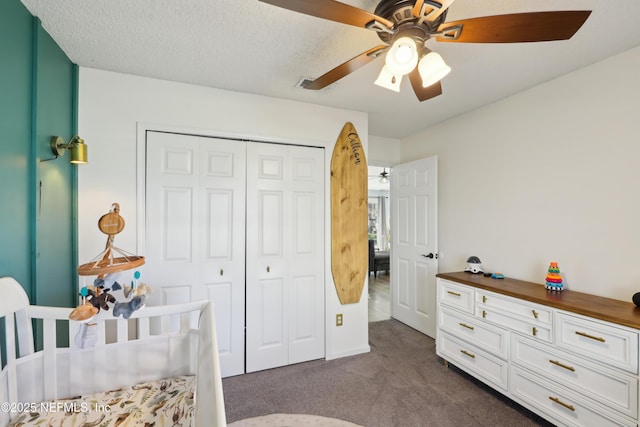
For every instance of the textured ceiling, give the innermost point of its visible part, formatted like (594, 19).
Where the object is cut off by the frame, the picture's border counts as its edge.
(249, 46)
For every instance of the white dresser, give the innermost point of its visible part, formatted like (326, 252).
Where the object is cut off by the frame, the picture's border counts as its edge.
(571, 358)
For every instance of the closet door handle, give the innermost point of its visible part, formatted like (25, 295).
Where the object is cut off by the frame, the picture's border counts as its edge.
(221, 272)
(268, 269)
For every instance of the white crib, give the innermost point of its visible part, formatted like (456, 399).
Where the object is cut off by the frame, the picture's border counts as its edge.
(162, 347)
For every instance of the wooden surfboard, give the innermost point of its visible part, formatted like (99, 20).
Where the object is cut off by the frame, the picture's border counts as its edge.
(349, 212)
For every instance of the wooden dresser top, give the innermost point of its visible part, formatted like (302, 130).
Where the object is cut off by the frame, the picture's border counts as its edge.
(608, 309)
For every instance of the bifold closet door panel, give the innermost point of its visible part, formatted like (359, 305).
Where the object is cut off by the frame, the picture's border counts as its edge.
(195, 230)
(285, 255)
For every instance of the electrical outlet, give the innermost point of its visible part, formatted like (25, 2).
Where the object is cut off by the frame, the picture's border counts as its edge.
(339, 319)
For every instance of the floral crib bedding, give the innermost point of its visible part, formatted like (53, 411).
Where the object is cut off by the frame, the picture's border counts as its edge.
(167, 402)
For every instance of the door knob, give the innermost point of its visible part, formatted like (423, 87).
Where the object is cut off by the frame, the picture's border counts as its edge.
(430, 255)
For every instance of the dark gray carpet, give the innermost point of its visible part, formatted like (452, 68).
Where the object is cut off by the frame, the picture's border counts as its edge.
(401, 382)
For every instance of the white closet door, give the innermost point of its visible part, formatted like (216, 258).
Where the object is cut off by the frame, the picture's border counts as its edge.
(285, 255)
(195, 210)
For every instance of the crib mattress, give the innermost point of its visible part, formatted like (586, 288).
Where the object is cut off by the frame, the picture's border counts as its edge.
(167, 402)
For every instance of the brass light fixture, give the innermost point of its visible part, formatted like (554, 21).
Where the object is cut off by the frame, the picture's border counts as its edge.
(76, 145)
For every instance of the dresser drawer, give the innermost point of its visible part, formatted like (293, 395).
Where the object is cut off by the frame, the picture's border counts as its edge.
(529, 328)
(515, 307)
(601, 341)
(478, 363)
(456, 296)
(471, 329)
(565, 406)
(614, 389)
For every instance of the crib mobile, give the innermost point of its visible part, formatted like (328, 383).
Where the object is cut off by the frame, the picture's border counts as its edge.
(107, 268)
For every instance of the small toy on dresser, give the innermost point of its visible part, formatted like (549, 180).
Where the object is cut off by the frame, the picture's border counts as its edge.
(553, 279)
(474, 265)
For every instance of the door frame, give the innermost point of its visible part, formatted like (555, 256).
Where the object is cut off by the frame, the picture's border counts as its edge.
(337, 343)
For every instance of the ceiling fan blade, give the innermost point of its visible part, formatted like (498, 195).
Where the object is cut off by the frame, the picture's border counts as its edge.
(423, 93)
(345, 68)
(429, 12)
(335, 11)
(515, 28)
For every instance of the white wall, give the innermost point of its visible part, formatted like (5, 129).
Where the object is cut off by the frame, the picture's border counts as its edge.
(383, 151)
(112, 106)
(551, 174)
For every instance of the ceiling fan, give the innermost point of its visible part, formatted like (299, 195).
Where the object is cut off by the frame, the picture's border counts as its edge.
(382, 177)
(404, 26)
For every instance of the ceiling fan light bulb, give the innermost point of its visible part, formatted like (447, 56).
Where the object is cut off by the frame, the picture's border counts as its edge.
(388, 80)
(432, 69)
(403, 56)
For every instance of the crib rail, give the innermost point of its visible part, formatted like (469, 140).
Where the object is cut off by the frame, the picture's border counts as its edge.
(156, 342)
(155, 320)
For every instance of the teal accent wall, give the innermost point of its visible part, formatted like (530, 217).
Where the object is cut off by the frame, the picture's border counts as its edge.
(38, 99)
(15, 142)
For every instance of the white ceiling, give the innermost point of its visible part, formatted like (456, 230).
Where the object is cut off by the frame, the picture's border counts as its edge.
(249, 46)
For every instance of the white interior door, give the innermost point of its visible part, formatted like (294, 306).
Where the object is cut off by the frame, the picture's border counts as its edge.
(285, 255)
(195, 231)
(414, 248)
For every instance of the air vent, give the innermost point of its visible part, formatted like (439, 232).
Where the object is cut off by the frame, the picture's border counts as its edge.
(304, 81)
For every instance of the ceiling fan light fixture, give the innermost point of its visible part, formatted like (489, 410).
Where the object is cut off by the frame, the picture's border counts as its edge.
(384, 177)
(432, 68)
(403, 56)
(388, 80)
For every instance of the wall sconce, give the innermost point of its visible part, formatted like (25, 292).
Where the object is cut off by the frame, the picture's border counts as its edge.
(76, 145)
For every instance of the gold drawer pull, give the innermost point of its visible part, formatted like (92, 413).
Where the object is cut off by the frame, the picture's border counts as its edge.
(586, 335)
(534, 331)
(484, 298)
(454, 293)
(484, 314)
(560, 402)
(466, 353)
(557, 363)
(464, 325)
(535, 313)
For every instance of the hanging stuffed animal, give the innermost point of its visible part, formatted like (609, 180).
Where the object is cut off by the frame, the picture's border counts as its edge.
(83, 313)
(136, 303)
(99, 297)
(127, 308)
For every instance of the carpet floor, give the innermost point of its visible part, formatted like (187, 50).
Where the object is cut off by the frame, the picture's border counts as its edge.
(401, 382)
